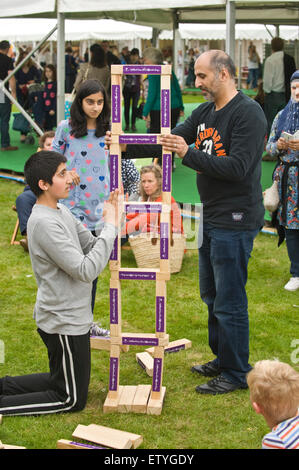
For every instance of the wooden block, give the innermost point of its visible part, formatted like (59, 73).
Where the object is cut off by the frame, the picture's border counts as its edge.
(116, 69)
(146, 361)
(0, 419)
(65, 444)
(141, 398)
(7, 446)
(109, 437)
(126, 398)
(112, 400)
(1, 445)
(166, 70)
(100, 343)
(173, 346)
(101, 435)
(155, 406)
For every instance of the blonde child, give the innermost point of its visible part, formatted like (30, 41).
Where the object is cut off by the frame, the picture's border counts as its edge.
(274, 393)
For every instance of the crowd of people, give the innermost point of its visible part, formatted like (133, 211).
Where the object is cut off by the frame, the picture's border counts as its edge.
(75, 219)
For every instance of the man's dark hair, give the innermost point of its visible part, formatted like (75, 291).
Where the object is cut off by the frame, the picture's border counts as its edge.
(4, 45)
(42, 166)
(220, 60)
(277, 44)
(78, 119)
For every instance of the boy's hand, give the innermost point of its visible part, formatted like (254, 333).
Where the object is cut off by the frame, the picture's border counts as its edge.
(114, 208)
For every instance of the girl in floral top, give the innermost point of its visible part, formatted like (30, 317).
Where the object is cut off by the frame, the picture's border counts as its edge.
(286, 173)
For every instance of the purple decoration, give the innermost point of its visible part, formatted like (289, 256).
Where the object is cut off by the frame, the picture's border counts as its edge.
(137, 139)
(150, 208)
(138, 276)
(113, 373)
(157, 374)
(113, 256)
(89, 446)
(116, 104)
(142, 69)
(165, 108)
(167, 168)
(139, 341)
(113, 172)
(164, 240)
(113, 306)
(174, 349)
(160, 314)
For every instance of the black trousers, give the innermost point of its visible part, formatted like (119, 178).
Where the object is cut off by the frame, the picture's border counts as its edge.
(128, 97)
(64, 388)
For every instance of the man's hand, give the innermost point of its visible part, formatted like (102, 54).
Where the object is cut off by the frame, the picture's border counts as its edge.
(174, 143)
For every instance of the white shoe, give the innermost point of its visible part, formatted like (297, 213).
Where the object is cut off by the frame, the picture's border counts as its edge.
(293, 284)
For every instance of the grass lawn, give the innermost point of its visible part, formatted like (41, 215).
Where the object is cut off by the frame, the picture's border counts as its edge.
(188, 421)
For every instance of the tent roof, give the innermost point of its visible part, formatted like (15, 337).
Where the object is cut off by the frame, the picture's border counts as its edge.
(149, 13)
(34, 29)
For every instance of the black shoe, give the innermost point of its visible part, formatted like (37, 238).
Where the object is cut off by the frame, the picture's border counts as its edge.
(208, 370)
(218, 386)
(127, 128)
(134, 129)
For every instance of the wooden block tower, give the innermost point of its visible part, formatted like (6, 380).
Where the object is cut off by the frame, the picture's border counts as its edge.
(140, 398)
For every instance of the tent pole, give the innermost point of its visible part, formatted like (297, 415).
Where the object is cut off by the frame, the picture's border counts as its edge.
(175, 49)
(60, 66)
(230, 28)
(240, 64)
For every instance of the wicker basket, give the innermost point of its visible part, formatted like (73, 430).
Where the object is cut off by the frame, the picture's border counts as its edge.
(146, 250)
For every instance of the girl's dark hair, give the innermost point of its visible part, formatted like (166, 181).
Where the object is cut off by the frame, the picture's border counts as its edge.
(78, 119)
(53, 69)
(42, 166)
(98, 56)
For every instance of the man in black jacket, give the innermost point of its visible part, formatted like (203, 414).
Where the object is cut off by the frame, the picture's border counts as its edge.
(229, 132)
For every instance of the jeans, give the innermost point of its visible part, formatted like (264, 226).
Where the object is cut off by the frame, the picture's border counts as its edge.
(292, 241)
(5, 110)
(223, 261)
(253, 75)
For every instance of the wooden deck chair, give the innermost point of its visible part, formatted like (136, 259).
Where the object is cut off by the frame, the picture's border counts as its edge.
(14, 240)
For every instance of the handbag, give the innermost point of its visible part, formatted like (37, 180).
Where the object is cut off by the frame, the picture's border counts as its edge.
(20, 123)
(271, 197)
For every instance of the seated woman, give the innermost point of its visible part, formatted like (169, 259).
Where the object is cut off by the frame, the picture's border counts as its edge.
(151, 191)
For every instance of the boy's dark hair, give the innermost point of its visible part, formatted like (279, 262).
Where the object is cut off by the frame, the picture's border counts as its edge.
(45, 136)
(42, 166)
(78, 120)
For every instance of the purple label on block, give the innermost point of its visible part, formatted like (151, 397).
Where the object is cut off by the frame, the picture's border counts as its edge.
(165, 108)
(140, 341)
(113, 373)
(116, 104)
(160, 314)
(157, 375)
(113, 256)
(137, 139)
(133, 208)
(164, 240)
(88, 446)
(166, 185)
(174, 349)
(142, 69)
(113, 306)
(113, 172)
(139, 276)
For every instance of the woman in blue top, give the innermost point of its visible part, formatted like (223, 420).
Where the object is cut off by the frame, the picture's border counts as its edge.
(81, 140)
(287, 175)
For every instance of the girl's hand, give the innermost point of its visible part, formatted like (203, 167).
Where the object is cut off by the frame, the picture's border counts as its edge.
(282, 144)
(293, 144)
(52, 112)
(108, 142)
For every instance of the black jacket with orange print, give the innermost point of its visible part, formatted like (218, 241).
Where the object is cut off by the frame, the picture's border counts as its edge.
(227, 155)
